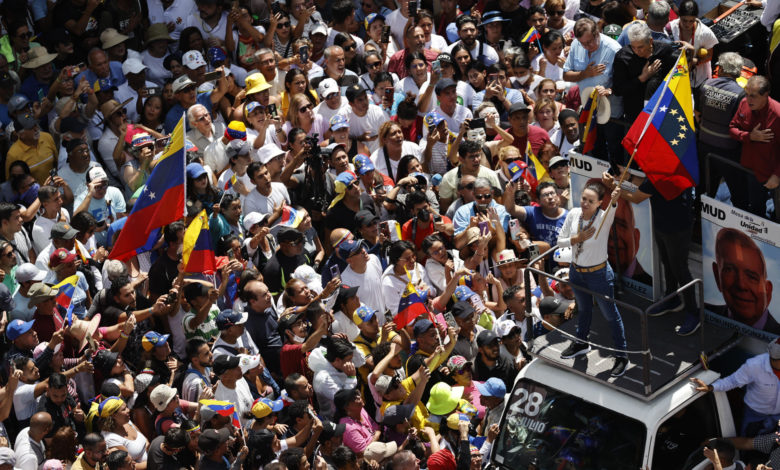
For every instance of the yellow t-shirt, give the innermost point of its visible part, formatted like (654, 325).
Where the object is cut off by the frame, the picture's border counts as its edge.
(40, 159)
(420, 414)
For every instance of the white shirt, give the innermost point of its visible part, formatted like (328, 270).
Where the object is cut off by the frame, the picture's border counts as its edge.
(328, 381)
(594, 250)
(177, 14)
(217, 32)
(359, 125)
(369, 284)
(214, 156)
(243, 341)
(240, 396)
(703, 38)
(256, 202)
(344, 324)
(397, 23)
(326, 112)
(41, 233)
(106, 146)
(24, 402)
(156, 71)
(437, 42)
(407, 148)
(227, 174)
(28, 451)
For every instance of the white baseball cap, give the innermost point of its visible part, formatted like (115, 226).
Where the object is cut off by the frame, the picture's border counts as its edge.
(193, 60)
(29, 272)
(327, 87)
(133, 66)
(97, 173)
(268, 152)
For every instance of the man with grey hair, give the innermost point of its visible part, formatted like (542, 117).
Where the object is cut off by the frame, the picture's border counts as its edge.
(469, 214)
(755, 125)
(640, 68)
(203, 131)
(335, 67)
(718, 101)
(657, 18)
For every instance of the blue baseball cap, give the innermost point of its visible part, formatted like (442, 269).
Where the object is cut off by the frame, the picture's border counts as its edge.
(433, 119)
(346, 178)
(373, 17)
(104, 84)
(421, 326)
(436, 179)
(363, 164)
(516, 170)
(251, 106)
(492, 387)
(195, 170)
(462, 293)
(229, 317)
(216, 55)
(153, 339)
(349, 248)
(363, 314)
(17, 328)
(338, 121)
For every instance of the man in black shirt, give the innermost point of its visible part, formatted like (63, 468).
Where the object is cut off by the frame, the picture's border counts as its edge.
(214, 445)
(490, 362)
(348, 201)
(165, 269)
(262, 324)
(164, 450)
(61, 406)
(289, 256)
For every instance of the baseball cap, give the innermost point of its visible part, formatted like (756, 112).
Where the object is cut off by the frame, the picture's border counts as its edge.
(17, 103)
(551, 306)
(458, 363)
(253, 218)
(349, 248)
(287, 321)
(362, 164)
(492, 16)
(63, 231)
(492, 387)
(40, 292)
(365, 217)
(331, 430)
(248, 362)
(445, 57)
(421, 326)
(773, 348)
(29, 272)
(320, 28)
(346, 292)
(443, 84)
(462, 309)
(373, 17)
(216, 56)
(454, 420)
(433, 119)
(268, 152)
(486, 337)
(210, 439)
(153, 339)
(229, 317)
(327, 87)
(224, 363)
(25, 121)
(557, 160)
(518, 106)
(288, 234)
(396, 414)
(195, 170)
(263, 407)
(354, 91)
(385, 383)
(104, 84)
(17, 328)
(61, 256)
(182, 83)
(193, 60)
(516, 169)
(338, 121)
(505, 327)
(96, 173)
(363, 314)
(237, 147)
(132, 65)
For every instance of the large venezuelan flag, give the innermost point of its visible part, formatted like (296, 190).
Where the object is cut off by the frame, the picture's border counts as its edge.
(663, 135)
(197, 254)
(160, 203)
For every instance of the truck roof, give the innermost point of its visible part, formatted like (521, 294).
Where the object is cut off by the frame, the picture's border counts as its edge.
(614, 398)
(673, 358)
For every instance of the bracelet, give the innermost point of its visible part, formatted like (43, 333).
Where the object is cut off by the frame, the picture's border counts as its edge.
(124, 335)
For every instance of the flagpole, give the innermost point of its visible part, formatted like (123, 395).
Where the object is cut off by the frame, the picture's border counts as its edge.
(641, 136)
(184, 151)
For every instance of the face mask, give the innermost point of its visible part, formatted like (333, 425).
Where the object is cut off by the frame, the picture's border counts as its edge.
(424, 215)
(297, 339)
(524, 80)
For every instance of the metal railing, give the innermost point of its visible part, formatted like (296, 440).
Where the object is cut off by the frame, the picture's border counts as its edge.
(645, 351)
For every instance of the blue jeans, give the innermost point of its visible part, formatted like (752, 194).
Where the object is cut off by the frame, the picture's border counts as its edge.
(603, 282)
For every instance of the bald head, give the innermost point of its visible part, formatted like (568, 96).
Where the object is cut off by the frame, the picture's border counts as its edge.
(40, 424)
(338, 235)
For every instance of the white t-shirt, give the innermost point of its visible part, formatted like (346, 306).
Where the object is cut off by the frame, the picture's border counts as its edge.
(77, 182)
(136, 448)
(214, 156)
(437, 42)
(326, 112)
(41, 232)
(489, 55)
(343, 324)
(408, 85)
(369, 284)
(217, 32)
(256, 202)
(359, 125)
(240, 396)
(227, 174)
(397, 23)
(156, 71)
(125, 92)
(106, 146)
(407, 148)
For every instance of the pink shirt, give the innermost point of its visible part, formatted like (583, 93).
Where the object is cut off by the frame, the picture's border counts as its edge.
(359, 435)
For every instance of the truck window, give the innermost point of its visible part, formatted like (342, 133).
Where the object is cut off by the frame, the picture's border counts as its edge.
(545, 429)
(682, 433)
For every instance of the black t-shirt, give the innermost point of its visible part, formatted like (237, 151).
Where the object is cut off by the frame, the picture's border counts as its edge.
(159, 460)
(279, 269)
(341, 216)
(162, 274)
(67, 10)
(669, 216)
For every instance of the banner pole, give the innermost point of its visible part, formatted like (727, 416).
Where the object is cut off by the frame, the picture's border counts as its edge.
(641, 136)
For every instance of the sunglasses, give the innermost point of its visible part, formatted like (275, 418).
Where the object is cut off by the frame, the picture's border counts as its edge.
(557, 13)
(351, 47)
(463, 370)
(303, 109)
(483, 196)
(469, 186)
(286, 24)
(374, 64)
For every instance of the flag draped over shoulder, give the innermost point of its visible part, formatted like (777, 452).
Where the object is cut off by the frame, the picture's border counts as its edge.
(160, 203)
(588, 119)
(410, 307)
(663, 135)
(197, 253)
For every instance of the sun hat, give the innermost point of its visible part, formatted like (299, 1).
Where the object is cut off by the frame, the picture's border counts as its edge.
(38, 56)
(443, 398)
(110, 37)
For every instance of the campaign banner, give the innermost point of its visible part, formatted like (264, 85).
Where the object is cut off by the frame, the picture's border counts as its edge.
(631, 237)
(740, 253)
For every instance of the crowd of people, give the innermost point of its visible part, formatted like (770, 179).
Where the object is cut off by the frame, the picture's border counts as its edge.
(349, 156)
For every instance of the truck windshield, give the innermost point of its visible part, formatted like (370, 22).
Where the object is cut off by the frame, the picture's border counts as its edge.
(546, 429)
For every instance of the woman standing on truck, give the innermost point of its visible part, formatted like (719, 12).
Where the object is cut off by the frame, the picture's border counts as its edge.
(591, 270)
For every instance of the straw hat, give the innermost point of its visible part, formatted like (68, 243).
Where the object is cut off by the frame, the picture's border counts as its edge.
(604, 110)
(38, 56)
(110, 37)
(82, 330)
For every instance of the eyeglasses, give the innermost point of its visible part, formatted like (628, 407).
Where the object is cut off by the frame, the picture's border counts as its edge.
(303, 109)
(557, 13)
(286, 24)
(374, 64)
(103, 186)
(483, 196)
(351, 47)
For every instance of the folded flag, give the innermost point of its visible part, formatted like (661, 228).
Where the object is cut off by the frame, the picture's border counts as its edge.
(410, 307)
(531, 36)
(535, 170)
(588, 119)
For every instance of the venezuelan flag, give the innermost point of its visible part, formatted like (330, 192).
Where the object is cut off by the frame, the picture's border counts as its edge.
(662, 139)
(291, 217)
(80, 254)
(222, 408)
(197, 254)
(535, 170)
(160, 203)
(531, 36)
(230, 182)
(588, 119)
(410, 307)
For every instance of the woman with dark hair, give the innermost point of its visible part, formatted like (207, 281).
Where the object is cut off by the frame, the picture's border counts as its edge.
(462, 59)
(384, 94)
(409, 120)
(191, 39)
(698, 40)
(591, 270)
(153, 113)
(433, 41)
(524, 78)
(351, 59)
(417, 73)
(297, 83)
(477, 75)
(173, 63)
(279, 37)
(200, 192)
(549, 63)
(392, 147)
(403, 266)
